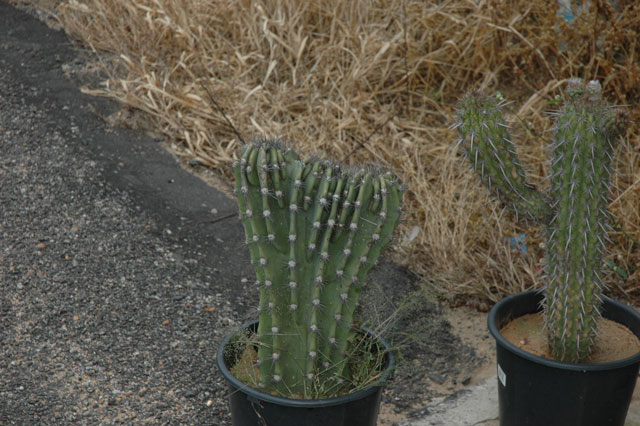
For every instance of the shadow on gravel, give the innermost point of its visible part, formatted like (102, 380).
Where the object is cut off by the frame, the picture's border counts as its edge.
(117, 282)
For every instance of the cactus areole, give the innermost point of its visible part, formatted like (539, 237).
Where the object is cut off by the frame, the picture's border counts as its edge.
(314, 229)
(573, 210)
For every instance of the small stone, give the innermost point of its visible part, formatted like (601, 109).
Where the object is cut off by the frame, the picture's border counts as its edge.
(466, 380)
(438, 378)
(191, 393)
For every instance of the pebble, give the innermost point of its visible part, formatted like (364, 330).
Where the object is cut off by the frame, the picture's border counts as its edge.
(438, 378)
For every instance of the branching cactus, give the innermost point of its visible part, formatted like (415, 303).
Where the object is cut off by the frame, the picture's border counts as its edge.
(573, 210)
(314, 229)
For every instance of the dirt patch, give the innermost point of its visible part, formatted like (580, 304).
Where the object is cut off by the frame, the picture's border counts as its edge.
(614, 341)
(470, 326)
(441, 351)
(471, 360)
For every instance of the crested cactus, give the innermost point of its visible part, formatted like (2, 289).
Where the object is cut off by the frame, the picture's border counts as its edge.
(573, 210)
(314, 229)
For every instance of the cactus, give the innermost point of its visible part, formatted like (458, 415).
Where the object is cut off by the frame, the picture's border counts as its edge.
(314, 229)
(573, 210)
(486, 140)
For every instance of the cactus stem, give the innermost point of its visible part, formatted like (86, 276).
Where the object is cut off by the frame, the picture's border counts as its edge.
(576, 214)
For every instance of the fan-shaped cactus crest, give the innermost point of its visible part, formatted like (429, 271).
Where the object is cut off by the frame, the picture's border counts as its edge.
(314, 229)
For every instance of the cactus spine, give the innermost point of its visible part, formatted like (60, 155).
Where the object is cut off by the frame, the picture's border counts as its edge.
(314, 230)
(573, 210)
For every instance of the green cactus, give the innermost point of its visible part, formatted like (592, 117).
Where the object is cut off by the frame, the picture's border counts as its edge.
(314, 230)
(486, 140)
(573, 210)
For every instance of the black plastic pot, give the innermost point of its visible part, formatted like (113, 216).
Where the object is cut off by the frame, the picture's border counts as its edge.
(537, 391)
(250, 407)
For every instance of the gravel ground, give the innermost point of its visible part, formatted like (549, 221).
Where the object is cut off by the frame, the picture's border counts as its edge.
(101, 320)
(119, 273)
(104, 317)
(113, 296)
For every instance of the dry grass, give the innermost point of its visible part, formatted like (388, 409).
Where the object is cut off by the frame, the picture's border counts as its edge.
(377, 81)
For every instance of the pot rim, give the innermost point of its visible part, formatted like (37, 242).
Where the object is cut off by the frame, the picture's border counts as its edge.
(303, 403)
(607, 302)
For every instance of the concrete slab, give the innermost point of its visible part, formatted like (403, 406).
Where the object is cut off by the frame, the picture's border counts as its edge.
(633, 416)
(479, 406)
(475, 406)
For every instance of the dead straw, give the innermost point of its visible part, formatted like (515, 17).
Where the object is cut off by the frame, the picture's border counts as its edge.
(377, 81)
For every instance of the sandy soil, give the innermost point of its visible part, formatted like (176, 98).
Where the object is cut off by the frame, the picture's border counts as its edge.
(614, 341)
